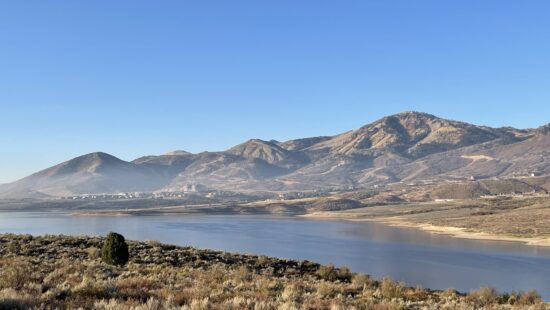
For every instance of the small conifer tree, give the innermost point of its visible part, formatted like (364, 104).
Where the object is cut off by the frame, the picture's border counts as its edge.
(115, 250)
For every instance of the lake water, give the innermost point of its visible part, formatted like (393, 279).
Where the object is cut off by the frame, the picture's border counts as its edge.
(413, 256)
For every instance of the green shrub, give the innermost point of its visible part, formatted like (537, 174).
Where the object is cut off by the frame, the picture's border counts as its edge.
(115, 250)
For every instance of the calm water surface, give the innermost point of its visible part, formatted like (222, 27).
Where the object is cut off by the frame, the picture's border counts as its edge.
(416, 257)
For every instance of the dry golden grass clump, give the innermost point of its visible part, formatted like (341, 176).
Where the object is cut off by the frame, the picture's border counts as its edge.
(59, 272)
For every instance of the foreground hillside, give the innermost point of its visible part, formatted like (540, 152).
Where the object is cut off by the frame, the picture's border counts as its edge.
(65, 272)
(403, 147)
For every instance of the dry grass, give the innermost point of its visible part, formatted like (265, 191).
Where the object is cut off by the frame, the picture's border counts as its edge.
(523, 217)
(56, 272)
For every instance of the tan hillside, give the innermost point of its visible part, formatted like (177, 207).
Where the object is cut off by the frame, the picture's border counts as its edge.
(404, 147)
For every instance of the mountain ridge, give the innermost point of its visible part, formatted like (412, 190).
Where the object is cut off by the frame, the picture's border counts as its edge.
(401, 147)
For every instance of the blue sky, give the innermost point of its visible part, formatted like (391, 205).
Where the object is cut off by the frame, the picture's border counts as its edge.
(133, 78)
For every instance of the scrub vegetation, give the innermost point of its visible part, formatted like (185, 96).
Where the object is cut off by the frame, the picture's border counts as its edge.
(63, 272)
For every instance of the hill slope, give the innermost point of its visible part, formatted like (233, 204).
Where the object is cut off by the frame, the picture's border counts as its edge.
(403, 147)
(87, 174)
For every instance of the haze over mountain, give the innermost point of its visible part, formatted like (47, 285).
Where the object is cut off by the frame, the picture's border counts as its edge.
(402, 147)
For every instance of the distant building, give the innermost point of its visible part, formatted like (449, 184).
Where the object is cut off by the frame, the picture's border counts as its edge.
(194, 188)
(190, 188)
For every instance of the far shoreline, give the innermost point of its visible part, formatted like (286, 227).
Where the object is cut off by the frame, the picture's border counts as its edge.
(396, 221)
(455, 232)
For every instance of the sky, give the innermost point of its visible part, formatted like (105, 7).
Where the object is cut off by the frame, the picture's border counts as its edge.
(134, 78)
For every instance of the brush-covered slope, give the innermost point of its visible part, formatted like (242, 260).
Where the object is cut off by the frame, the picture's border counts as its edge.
(230, 170)
(269, 152)
(302, 144)
(168, 165)
(403, 147)
(409, 134)
(395, 148)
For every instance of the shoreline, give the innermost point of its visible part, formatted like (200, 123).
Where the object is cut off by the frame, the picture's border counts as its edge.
(455, 232)
(394, 221)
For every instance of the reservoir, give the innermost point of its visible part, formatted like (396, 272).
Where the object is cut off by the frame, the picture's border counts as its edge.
(418, 258)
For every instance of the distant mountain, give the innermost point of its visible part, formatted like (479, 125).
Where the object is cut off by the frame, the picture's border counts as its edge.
(403, 147)
(91, 173)
(256, 148)
(270, 153)
(410, 134)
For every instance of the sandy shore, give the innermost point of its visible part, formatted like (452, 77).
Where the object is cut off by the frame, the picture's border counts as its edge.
(456, 232)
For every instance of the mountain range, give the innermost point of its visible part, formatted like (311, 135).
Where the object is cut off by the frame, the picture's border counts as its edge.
(403, 147)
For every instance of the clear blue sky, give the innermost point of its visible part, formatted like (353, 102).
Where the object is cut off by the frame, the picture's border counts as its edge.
(133, 78)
